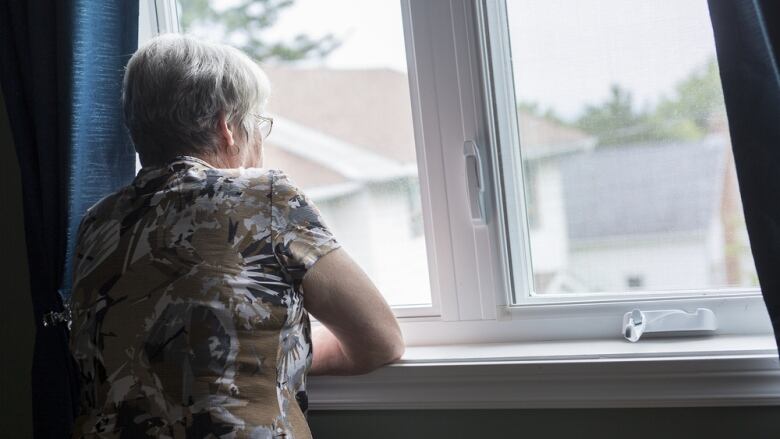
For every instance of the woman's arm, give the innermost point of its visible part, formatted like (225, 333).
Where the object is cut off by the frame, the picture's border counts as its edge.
(361, 332)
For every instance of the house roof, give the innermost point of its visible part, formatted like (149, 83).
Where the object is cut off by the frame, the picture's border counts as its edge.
(625, 191)
(334, 126)
(543, 138)
(367, 107)
(306, 173)
(351, 161)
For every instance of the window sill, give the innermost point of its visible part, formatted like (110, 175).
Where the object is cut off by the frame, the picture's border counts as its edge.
(715, 371)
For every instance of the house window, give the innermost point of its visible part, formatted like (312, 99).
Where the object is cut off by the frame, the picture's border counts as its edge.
(538, 152)
(600, 118)
(635, 282)
(624, 140)
(343, 123)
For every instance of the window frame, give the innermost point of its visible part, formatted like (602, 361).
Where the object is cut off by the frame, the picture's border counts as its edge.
(461, 89)
(496, 55)
(596, 317)
(473, 47)
(162, 16)
(461, 85)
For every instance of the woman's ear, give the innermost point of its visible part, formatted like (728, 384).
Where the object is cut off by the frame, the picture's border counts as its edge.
(227, 141)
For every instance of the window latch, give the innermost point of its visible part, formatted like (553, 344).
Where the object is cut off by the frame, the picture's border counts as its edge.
(475, 181)
(672, 322)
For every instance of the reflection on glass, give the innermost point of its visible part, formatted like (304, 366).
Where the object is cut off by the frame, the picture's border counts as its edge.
(629, 176)
(342, 121)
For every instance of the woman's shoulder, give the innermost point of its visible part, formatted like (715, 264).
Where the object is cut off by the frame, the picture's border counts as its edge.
(264, 179)
(259, 184)
(247, 174)
(231, 180)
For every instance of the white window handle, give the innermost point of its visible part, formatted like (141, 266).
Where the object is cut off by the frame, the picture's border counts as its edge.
(475, 182)
(673, 322)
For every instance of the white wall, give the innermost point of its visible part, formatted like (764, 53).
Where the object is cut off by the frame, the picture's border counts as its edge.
(549, 245)
(665, 263)
(373, 225)
(716, 248)
(346, 218)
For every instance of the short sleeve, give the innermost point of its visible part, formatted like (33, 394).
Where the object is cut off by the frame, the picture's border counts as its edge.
(300, 236)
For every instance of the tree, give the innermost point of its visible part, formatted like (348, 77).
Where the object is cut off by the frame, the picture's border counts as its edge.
(533, 108)
(698, 98)
(687, 115)
(245, 23)
(615, 121)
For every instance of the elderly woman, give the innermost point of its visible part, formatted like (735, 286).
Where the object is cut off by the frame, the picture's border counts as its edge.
(192, 285)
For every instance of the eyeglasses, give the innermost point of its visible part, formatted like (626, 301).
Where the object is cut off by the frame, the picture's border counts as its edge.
(266, 124)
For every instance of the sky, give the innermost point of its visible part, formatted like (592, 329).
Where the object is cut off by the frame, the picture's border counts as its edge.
(566, 53)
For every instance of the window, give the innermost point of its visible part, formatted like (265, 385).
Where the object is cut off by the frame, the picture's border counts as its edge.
(623, 134)
(507, 156)
(635, 282)
(553, 166)
(342, 123)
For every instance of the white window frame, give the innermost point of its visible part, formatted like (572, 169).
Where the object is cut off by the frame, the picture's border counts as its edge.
(462, 89)
(475, 347)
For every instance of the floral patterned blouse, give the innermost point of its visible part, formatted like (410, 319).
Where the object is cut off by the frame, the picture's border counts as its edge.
(188, 318)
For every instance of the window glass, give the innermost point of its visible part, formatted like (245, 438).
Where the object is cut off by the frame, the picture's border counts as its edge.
(629, 176)
(342, 121)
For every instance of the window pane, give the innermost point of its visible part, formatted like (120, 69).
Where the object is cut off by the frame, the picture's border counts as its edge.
(342, 121)
(629, 177)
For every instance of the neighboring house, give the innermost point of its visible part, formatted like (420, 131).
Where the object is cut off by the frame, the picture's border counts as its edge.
(346, 137)
(544, 144)
(626, 217)
(661, 216)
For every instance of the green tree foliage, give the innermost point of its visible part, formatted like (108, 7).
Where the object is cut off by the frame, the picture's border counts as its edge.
(615, 120)
(533, 108)
(698, 98)
(245, 23)
(686, 115)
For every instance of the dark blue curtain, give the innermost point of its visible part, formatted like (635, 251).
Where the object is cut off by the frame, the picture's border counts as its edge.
(61, 67)
(747, 38)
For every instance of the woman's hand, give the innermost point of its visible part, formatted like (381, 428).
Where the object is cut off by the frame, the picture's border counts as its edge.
(360, 332)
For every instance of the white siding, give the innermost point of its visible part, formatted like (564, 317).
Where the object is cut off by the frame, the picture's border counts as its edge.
(549, 246)
(373, 225)
(665, 264)
(716, 248)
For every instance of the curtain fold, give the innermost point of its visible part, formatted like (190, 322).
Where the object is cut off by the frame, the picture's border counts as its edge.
(61, 67)
(747, 39)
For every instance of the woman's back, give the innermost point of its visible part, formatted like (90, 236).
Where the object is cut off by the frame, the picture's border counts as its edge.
(188, 308)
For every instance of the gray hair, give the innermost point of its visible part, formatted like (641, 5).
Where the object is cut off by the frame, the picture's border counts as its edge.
(175, 89)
